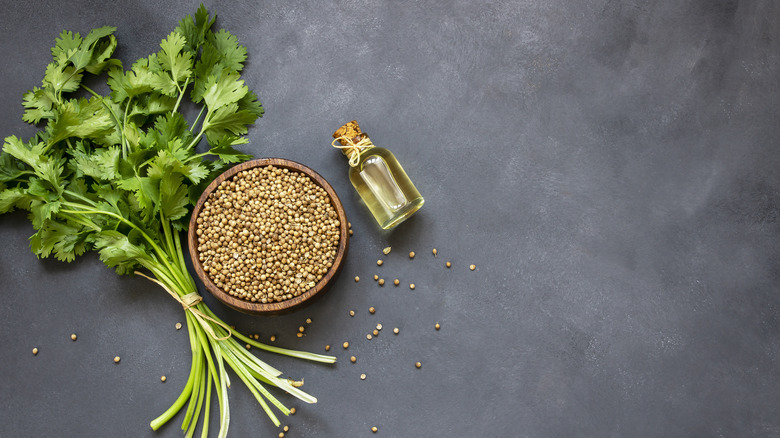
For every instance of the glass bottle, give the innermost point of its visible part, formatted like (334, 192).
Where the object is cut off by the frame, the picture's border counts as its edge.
(378, 177)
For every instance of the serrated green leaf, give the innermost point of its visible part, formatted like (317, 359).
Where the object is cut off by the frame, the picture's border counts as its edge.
(194, 30)
(81, 118)
(227, 89)
(62, 78)
(233, 55)
(92, 50)
(38, 104)
(116, 251)
(228, 120)
(174, 59)
(224, 150)
(173, 197)
(15, 197)
(100, 164)
(65, 45)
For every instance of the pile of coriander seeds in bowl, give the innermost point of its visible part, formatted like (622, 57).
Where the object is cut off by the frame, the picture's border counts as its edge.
(267, 236)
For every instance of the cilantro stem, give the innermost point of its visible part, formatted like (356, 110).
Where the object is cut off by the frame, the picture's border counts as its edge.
(181, 93)
(108, 107)
(197, 119)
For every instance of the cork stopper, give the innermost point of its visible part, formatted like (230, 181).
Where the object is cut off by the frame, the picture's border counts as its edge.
(350, 131)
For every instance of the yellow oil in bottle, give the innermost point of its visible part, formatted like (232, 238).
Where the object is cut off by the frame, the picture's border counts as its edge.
(378, 177)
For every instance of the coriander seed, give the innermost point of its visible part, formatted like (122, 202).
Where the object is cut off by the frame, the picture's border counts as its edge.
(281, 434)
(35, 351)
(327, 347)
(369, 337)
(116, 359)
(411, 286)
(376, 332)
(345, 345)
(292, 411)
(357, 279)
(386, 251)
(379, 326)
(381, 281)
(371, 310)
(351, 313)
(374, 429)
(448, 264)
(434, 252)
(248, 347)
(308, 320)
(411, 254)
(178, 326)
(396, 282)
(73, 337)
(437, 326)
(473, 267)
(418, 364)
(163, 379)
(363, 376)
(301, 329)
(286, 428)
(376, 277)
(379, 262)
(273, 338)
(395, 330)
(352, 359)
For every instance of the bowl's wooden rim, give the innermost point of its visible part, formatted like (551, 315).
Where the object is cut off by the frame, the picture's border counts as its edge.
(294, 303)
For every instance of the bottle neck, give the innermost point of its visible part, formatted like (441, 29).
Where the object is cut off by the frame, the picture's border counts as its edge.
(352, 147)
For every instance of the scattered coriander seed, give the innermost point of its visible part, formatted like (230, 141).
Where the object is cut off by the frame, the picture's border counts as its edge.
(357, 279)
(73, 337)
(273, 338)
(448, 264)
(396, 282)
(35, 351)
(369, 337)
(178, 326)
(363, 376)
(376, 277)
(411, 254)
(349, 224)
(248, 347)
(163, 379)
(351, 313)
(327, 347)
(292, 411)
(437, 326)
(350, 232)
(352, 359)
(299, 334)
(374, 429)
(418, 364)
(376, 332)
(395, 330)
(286, 428)
(371, 310)
(386, 251)
(281, 434)
(345, 345)
(308, 320)
(379, 326)
(434, 252)
(411, 286)
(301, 329)
(256, 336)
(116, 359)
(381, 281)
(473, 267)
(379, 262)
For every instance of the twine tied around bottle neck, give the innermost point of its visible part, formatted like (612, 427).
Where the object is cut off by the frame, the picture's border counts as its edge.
(188, 302)
(352, 149)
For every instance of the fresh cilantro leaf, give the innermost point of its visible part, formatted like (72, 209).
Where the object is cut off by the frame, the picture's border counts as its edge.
(116, 251)
(173, 197)
(81, 118)
(227, 89)
(194, 30)
(232, 54)
(228, 120)
(173, 59)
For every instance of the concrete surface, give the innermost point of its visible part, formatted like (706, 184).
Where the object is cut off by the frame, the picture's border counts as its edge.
(610, 167)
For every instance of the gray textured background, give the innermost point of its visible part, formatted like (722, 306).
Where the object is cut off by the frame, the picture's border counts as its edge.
(610, 167)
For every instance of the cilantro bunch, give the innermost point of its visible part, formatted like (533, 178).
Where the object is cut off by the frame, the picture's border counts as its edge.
(120, 173)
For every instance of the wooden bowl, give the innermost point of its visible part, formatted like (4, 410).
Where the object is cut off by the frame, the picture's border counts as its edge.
(293, 303)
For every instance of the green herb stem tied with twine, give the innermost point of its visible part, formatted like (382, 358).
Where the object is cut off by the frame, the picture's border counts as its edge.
(119, 174)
